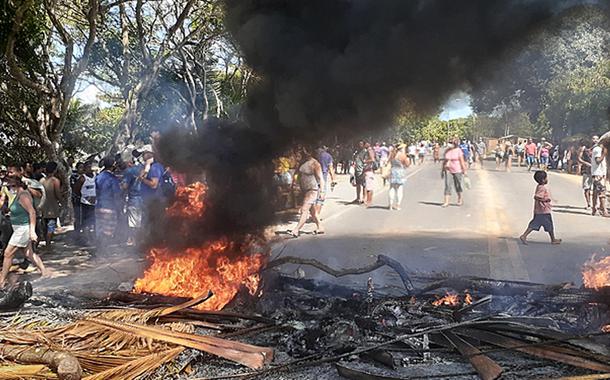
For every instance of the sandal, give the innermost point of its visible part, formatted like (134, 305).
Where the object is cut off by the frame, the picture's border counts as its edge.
(319, 232)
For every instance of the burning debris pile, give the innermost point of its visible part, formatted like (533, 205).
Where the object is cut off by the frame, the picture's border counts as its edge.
(454, 327)
(221, 266)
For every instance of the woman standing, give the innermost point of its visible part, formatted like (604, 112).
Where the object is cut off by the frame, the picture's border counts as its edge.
(399, 162)
(23, 221)
(311, 181)
(454, 170)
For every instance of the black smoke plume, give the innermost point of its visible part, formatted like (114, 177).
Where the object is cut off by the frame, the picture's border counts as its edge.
(340, 68)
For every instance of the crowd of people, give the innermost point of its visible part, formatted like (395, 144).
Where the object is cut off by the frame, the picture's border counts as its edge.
(109, 202)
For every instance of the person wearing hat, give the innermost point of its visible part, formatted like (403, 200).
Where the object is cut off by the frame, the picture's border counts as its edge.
(152, 174)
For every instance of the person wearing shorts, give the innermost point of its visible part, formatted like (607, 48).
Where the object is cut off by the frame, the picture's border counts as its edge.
(454, 170)
(584, 160)
(542, 210)
(530, 153)
(23, 222)
(310, 181)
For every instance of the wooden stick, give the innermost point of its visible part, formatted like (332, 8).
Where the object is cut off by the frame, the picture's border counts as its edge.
(542, 352)
(486, 368)
(382, 260)
(246, 354)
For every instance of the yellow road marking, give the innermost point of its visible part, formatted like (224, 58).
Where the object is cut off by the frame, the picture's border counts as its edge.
(506, 263)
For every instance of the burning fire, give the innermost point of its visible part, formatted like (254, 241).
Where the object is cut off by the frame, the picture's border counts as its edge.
(189, 201)
(220, 266)
(596, 273)
(452, 299)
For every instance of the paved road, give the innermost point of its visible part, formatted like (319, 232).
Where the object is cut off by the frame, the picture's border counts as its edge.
(479, 238)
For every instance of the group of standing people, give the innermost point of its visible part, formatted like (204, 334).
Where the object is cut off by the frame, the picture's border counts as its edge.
(119, 193)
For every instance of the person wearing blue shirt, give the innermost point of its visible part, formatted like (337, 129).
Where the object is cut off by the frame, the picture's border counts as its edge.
(109, 201)
(133, 186)
(151, 176)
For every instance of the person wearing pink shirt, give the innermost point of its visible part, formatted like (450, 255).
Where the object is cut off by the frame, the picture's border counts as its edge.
(454, 170)
(542, 210)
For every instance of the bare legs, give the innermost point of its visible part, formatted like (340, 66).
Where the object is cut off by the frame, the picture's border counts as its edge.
(528, 231)
(395, 196)
(588, 198)
(305, 210)
(9, 253)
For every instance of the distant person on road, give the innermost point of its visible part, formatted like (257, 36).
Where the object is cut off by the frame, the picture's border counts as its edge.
(544, 155)
(520, 150)
(531, 151)
(499, 154)
(454, 170)
(360, 158)
(399, 162)
(369, 175)
(436, 152)
(328, 173)
(312, 186)
(542, 210)
(421, 152)
(50, 208)
(598, 175)
(481, 151)
(584, 161)
(412, 152)
(508, 156)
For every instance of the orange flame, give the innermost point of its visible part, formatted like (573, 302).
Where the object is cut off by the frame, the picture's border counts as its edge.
(596, 273)
(220, 266)
(189, 201)
(448, 300)
(452, 299)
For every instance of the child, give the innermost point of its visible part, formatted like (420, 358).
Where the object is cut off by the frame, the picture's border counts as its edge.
(542, 210)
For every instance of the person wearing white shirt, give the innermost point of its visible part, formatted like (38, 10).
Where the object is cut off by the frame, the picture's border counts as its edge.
(598, 174)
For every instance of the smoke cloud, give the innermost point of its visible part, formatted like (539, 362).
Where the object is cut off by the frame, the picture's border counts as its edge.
(340, 68)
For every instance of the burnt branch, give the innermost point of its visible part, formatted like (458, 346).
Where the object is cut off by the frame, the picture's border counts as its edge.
(382, 260)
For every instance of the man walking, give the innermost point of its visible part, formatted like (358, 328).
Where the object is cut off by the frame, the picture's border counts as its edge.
(328, 169)
(598, 174)
(530, 153)
(584, 161)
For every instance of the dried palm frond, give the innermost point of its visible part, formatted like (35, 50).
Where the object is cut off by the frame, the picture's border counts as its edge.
(19, 371)
(137, 367)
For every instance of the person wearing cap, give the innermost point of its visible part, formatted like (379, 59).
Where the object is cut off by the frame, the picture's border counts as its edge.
(152, 174)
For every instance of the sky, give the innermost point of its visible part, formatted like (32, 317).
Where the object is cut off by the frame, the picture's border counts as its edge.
(458, 105)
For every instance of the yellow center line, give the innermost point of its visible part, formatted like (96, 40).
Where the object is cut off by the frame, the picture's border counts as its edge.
(505, 259)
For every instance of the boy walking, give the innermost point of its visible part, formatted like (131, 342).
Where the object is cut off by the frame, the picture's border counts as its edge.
(542, 210)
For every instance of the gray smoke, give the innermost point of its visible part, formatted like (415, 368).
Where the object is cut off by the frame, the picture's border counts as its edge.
(340, 68)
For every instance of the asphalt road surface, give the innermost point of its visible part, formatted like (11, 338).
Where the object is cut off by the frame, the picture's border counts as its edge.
(480, 238)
